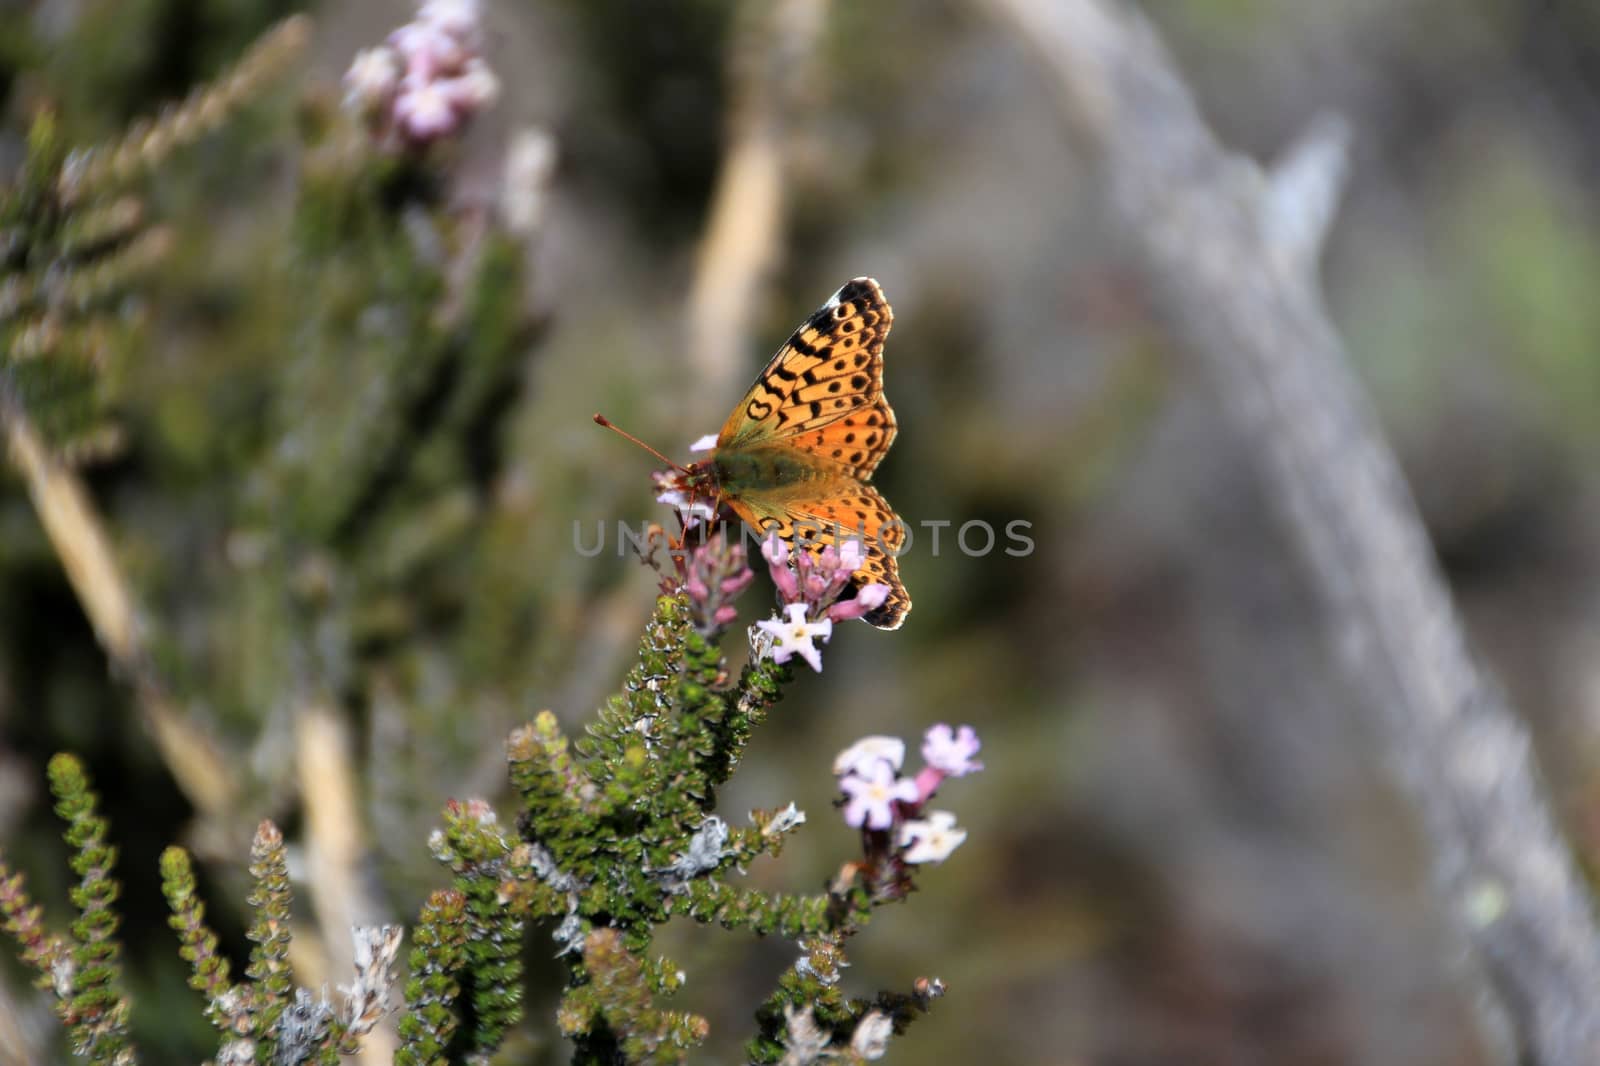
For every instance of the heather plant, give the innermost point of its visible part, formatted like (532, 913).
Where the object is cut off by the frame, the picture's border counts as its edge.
(371, 468)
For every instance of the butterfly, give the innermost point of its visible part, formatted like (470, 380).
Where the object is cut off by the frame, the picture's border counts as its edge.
(797, 454)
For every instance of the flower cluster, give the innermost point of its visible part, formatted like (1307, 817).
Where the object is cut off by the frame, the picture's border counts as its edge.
(714, 573)
(428, 79)
(809, 587)
(880, 800)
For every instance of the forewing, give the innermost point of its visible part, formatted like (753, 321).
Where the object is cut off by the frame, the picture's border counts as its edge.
(825, 385)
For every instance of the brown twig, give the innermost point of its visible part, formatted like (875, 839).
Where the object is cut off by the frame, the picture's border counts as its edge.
(1229, 254)
(78, 535)
(335, 851)
(17, 1044)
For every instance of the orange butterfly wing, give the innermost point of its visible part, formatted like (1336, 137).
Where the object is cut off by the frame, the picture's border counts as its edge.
(823, 515)
(821, 396)
(825, 384)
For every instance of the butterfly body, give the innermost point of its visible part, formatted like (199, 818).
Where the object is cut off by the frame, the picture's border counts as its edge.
(757, 471)
(797, 453)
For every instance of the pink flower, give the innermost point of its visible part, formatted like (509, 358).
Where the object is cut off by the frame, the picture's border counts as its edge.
(873, 792)
(867, 598)
(775, 550)
(425, 113)
(951, 752)
(473, 90)
(776, 553)
(817, 579)
(459, 18)
(427, 50)
(427, 80)
(713, 574)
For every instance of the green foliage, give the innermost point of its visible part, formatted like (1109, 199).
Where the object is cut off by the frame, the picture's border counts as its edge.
(262, 1021)
(478, 852)
(84, 970)
(269, 959)
(198, 944)
(438, 955)
(75, 238)
(24, 922)
(612, 1016)
(96, 1009)
(613, 840)
(62, 270)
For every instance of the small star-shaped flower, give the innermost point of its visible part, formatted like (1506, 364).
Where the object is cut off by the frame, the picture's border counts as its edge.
(873, 792)
(950, 751)
(794, 635)
(931, 839)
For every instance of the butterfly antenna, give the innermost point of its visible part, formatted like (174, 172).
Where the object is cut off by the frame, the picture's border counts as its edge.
(602, 420)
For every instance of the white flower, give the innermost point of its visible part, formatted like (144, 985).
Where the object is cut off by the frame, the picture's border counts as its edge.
(851, 555)
(530, 164)
(869, 750)
(931, 839)
(705, 443)
(794, 636)
(692, 509)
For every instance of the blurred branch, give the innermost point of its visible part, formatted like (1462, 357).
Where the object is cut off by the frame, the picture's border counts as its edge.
(1302, 194)
(335, 851)
(770, 66)
(79, 538)
(1229, 255)
(149, 142)
(16, 1047)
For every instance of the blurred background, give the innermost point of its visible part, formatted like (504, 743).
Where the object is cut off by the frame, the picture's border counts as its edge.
(1184, 848)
